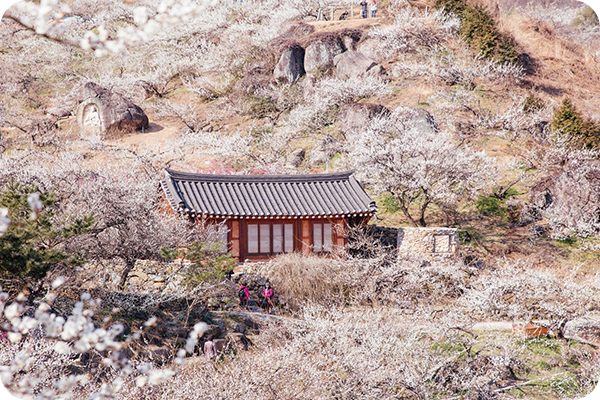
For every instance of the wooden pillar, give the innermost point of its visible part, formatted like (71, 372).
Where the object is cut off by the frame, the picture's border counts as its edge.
(306, 237)
(341, 236)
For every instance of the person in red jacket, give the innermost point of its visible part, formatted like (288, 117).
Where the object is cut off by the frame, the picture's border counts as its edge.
(244, 295)
(268, 295)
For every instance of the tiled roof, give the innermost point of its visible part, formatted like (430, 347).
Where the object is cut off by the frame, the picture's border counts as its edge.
(266, 195)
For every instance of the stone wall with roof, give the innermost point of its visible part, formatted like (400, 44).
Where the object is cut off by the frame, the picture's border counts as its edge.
(427, 244)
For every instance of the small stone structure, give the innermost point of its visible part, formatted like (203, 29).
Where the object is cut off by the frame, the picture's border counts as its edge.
(102, 112)
(427, 244)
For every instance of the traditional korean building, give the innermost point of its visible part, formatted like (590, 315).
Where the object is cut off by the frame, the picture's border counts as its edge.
(266, 215)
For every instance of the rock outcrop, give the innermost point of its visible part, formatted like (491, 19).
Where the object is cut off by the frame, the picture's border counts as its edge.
(374, 49)
(290, 67)
(295, 158)
(571, 195)
(420, 119)
(353, 65)
(102, 112)
(585, 330)
(354, 117)
(321, 51)
(323, 150)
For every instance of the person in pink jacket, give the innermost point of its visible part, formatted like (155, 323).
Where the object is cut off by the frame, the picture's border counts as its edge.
(210, 350)
(268, 295)
(244, 295)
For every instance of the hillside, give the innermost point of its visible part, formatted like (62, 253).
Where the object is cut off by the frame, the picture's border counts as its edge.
(478, 116)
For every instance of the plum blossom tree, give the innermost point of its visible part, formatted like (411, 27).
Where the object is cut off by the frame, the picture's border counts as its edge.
(124, 198)
(572, 176)
(418, 168)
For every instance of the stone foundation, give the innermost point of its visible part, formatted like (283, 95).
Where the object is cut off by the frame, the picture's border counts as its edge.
(427, 244)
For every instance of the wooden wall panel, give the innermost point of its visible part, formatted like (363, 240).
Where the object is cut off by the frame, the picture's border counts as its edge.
(235, 238)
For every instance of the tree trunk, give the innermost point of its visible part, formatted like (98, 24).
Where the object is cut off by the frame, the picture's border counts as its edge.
(34, 293)
(422, 222)
(407, 214)
(129, 264)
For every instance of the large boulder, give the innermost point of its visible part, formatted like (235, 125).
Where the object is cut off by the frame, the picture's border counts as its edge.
(321, 51)
(353, 64)
(324, 150)
(295, 158)
(291, 64)
(420, 119)
(354, 117)
(102, 112)
(571, 196)
(584, 329)
(374, 49)
(308, 85)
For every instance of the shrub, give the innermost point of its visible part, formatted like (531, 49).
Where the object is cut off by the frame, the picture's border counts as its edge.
(490, 206)
(208, 263)
(532, 104)
(493, 205)
(452, 6)
(568, 120)
(479, 30)
(587, 17)
(390, 204)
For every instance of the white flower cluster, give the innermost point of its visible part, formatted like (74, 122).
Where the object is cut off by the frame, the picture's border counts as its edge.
(46, 19)
(170, 13)
(4, 220)
(76, 335)
(43, 17)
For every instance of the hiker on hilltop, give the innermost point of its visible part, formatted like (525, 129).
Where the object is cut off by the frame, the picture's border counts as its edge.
(363, 11)
(373, 8)
(243, 295)
(268, 297)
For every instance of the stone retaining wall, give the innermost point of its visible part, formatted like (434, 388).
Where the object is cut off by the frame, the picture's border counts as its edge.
(427, 244)
(147, 276)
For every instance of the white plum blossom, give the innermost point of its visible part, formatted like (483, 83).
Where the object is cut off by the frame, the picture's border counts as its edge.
(77, 334)
(4, 220)
(14, 337)
(58, 281)
(34, 201)
(47, 19)
(62, 348)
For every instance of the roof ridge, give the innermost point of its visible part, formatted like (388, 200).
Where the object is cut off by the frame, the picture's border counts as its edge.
(190, 176)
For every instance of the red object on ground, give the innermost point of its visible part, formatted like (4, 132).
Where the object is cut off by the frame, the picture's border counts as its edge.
(529, 330)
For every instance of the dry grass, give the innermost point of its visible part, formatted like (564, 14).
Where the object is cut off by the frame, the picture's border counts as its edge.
(300, 279)
(561, 66)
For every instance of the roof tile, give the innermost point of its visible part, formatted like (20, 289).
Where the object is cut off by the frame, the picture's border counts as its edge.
(266, 195)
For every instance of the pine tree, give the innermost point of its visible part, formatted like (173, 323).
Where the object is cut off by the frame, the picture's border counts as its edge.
(569, 121)
(30, 246)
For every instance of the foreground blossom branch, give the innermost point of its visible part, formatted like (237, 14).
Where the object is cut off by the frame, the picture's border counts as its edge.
(66, 338)
(45, 19)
